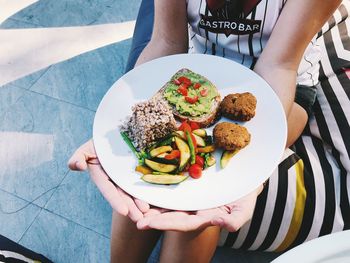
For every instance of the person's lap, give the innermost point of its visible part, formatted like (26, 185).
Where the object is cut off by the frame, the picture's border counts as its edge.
(294, 207)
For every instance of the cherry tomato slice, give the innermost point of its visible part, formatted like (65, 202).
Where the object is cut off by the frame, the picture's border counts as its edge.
(197, 85)
(185, 80)
(191, 100)
(185, 127)
(200, 161)
(195, 171)
(173, 155)
(176, 82)
(194, 125)
(204, 92)
(183, 91)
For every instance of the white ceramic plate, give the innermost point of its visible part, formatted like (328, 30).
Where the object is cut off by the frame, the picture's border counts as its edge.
(333, 248)
(247, 170)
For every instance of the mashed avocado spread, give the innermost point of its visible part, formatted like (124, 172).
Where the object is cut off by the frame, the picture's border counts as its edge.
(192, 100)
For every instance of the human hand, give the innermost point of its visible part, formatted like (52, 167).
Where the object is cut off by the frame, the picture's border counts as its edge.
(85, 158)
(231, 216)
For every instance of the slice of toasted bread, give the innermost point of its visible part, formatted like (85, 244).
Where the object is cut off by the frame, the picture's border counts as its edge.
(203, 120)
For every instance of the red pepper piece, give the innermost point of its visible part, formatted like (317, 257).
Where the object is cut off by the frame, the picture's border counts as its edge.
(200, 161)
(194, 125)
(195, 171)
(204, 92)
(185, 127)
(197, 85)
(173, 155)
(183, 91)
(191, 100)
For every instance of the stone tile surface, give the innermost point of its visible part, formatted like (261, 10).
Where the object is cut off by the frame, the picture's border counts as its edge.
(11, 23)
(52, 13)
(120, 11)
(78, 199)
(27, 81)
(16, 215)
(44, 117)
(64, 241)
(37, 135)
(84, 80)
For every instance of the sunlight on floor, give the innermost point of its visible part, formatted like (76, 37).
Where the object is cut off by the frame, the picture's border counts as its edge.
(29, 151)
(24, 51)
(11, 7)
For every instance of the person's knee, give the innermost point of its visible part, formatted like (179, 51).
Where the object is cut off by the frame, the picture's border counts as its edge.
(193, 246)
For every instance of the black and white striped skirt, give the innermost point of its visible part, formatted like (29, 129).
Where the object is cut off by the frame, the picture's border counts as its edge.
(308, 194)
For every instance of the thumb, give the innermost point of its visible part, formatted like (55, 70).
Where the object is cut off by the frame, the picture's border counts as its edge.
(78, 161)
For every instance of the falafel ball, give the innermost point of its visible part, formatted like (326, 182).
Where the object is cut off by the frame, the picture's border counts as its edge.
(239, 106)
(231, 136)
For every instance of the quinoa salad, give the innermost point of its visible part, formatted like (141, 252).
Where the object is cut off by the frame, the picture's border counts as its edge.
(150, 121)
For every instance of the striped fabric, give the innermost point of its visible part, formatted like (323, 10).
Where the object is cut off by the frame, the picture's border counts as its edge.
(217, 28)
(308, 195)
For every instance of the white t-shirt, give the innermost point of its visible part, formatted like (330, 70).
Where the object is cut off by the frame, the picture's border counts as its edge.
(240, 29)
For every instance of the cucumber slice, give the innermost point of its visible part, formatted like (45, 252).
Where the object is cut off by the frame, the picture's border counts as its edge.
(160, 167)
(163, 178)
(226, 157)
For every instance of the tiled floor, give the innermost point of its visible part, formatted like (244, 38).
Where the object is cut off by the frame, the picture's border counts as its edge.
(45, 115)
(43, 118)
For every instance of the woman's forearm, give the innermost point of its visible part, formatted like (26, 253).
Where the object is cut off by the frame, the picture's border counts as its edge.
(157, 48)
(278, 64)
(170, 32)
(283, 82)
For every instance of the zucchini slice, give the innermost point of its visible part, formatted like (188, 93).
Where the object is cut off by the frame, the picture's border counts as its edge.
(199, 140)
(226, 157)
(165, 161)
(160, 167)
(180, 134)
(163, 178)
(200, 132)
(184, 152)
(206, 149)
(209, 160)
(160, 150)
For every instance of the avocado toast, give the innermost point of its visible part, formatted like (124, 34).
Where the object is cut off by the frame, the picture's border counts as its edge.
(192, 97)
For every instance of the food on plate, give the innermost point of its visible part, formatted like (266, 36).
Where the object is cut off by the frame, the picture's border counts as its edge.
(192, 97)
(150, 121)
(160, 167)
(231, 136)
(239, 106)
(163, 178)
(165, 152)
(226, 157)
(168, 160)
